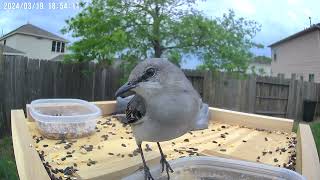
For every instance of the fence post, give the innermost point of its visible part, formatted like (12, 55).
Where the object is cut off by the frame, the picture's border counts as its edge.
(2, 119)
(207, 86)
(252, 93)
(292, 98)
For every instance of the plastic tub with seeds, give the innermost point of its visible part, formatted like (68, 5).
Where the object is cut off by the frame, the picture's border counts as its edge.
(64, 118)
(214, 168)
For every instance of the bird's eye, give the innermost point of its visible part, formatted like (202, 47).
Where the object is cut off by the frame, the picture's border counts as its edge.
(150, 72)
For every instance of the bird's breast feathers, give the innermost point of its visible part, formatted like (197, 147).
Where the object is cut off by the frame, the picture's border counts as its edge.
(173, 108)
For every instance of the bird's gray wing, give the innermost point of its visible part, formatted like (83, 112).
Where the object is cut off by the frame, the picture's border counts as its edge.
(135, 109)
(122, 104)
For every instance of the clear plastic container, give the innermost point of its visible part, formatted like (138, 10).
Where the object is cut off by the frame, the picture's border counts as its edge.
(214, 168)
(64, 118)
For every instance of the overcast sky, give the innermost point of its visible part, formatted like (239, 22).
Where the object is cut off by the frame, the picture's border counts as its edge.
(279, 18)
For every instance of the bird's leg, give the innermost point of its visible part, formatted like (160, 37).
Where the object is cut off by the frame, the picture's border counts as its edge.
(164, 162)
(147, 174)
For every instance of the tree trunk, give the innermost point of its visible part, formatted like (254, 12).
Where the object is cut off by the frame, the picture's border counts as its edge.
(157, 49)
(156, 33)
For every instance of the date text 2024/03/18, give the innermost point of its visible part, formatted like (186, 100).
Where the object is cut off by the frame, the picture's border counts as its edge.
(39, 5)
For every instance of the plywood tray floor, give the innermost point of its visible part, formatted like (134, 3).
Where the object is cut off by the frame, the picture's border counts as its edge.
(112, 146)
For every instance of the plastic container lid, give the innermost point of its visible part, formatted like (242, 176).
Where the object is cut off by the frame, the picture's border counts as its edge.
(215, 168)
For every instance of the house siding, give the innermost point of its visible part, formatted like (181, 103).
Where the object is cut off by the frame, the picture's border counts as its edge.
(11, 41)
(34, 47)
(300, 56)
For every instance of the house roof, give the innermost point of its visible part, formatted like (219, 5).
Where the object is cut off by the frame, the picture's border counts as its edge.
(10, 50)
(298, 34)
(29, 29)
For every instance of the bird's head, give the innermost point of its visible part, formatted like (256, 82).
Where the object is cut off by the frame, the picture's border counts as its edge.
(152, 75)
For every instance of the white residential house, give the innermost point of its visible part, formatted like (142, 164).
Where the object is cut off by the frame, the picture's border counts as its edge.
(35, 42)
(260, 66)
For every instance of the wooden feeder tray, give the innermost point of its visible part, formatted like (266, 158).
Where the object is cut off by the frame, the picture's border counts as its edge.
(111, 152)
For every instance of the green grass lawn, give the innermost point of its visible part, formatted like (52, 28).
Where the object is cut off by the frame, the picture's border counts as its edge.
(8, 169)
(315, 127)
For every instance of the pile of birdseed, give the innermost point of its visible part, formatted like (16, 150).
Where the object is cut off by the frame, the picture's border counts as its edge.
(112, 142)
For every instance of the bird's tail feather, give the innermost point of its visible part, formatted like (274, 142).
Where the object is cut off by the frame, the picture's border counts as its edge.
(202, 120)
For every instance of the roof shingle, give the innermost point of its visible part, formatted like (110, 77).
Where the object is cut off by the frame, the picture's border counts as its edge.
(29, 29)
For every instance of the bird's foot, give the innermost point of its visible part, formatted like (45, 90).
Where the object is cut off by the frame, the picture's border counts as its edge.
(164, 163)
(147, 174)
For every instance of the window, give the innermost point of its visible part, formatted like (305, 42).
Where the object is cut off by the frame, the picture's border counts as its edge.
(311, 77)
(275, 56)
(62, 47)
(53, 48)
(58, 46)
(4, 42)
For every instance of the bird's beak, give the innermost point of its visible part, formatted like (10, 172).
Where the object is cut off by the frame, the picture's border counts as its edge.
(125, 88)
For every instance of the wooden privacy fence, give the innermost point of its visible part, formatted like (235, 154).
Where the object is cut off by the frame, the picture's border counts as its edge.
(273, 96)
(23, 80)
